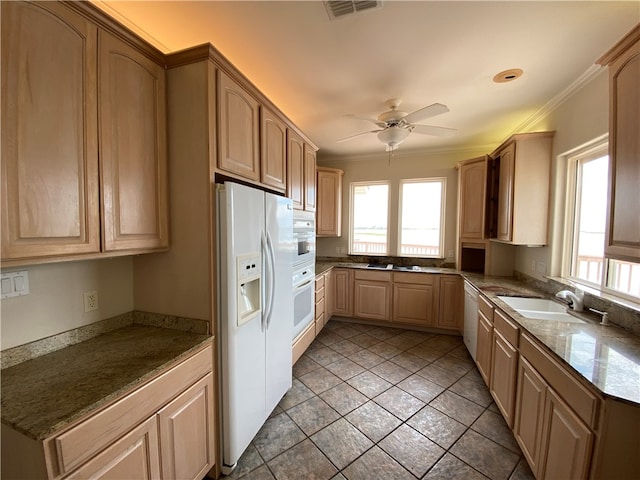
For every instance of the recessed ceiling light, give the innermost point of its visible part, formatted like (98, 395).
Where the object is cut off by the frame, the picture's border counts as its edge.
(508, 75)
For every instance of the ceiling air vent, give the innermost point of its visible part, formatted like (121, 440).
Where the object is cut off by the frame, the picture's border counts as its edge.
(340, 8)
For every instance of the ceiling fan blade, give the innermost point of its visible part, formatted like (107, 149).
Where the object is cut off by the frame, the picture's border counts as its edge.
(350, 137)
(372, 120)
(432, 130)
(426, 112)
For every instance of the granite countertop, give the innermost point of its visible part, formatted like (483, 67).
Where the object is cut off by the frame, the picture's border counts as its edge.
(45, 394)
(322, 267)
(608, 357)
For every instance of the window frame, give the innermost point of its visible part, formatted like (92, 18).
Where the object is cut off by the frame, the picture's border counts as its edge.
(352, 188)
(595, 149)
(588, 153)
(443, 197)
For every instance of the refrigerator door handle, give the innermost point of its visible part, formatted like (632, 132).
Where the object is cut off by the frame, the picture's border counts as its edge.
(263, 283)
(272, 279)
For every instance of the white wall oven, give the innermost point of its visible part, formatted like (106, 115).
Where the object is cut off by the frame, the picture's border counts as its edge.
(303, 297)
(304, 237)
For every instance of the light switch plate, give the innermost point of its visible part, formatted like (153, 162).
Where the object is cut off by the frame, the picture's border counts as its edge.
(15, 284)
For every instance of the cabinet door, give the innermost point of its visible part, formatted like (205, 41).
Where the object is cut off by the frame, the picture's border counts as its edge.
(342, 298)
(567, 442)
(483, 347)
(528, 421)
(133, 161)
(372, 300)
(273, 162)
(473, 187)
(451, 298)
(295, 169)
(238, 129)
(49, 132)
(505, 193)
(623, 220)
(414, 304)
(504, 370)
(329, 209)
(186, 433)
(135, 456)
(309, 179)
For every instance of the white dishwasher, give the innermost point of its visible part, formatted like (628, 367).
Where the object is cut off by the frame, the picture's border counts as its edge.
(470, 331)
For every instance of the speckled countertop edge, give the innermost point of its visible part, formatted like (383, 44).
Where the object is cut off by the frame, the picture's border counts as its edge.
(46, 394)
(552, 334)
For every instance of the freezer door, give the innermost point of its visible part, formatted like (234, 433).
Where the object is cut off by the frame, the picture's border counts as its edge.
(279, 233)
(242, 365)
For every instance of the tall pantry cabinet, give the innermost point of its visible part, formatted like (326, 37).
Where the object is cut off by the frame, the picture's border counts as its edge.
(84, 147)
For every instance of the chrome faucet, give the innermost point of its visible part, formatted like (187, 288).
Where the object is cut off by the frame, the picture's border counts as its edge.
(575, 300)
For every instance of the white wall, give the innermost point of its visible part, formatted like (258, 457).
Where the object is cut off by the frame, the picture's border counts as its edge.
(403, 165)
(56, 303)
(581, 118)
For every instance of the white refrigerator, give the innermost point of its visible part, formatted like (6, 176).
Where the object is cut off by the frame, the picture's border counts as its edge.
(255, 310)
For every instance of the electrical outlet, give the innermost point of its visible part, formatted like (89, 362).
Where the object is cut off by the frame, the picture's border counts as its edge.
(450, 255)
(90, 301)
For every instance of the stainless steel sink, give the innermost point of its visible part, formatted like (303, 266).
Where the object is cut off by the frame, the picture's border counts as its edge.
(540, 309)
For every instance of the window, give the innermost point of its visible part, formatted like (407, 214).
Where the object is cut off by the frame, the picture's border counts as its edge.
(369, 218)
(421, 216)
(588, 183)
(419, 229)
(591, 170)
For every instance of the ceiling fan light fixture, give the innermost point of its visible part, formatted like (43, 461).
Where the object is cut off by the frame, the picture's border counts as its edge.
(508, 75)
(393, 136)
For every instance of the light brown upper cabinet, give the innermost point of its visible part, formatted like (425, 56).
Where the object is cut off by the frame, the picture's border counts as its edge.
(133, 163)
(273, 164)
(521, 169)
(238, 129)
(329, 209)
(59, 75)
(623, 220)
(49, 132)
(309, 178)
(473, 188)
(295, 169)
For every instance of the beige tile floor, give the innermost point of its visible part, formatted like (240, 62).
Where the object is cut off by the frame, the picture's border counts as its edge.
(371, 403)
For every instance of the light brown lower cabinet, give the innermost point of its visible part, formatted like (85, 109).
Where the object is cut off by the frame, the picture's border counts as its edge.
(320, 316)
(414, 299)
(164, 429)
(484, 347)
(328, 295)
(342, 292)
(451, 301)
(136, 456)
(557, 439)
(372, 295)
(504, 365)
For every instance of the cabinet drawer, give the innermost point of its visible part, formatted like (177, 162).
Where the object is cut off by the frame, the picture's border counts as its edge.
(506, 327)
(584, 402)
(376, 276)
(485, 307)
(84, 440)
(319, 282)
(415, 278)
(319, 307)
(320, 293)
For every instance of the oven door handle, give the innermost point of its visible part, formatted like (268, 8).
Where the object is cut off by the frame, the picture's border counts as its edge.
(302, 285)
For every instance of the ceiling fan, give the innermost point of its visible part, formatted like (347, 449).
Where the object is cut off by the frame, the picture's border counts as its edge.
(395, 126)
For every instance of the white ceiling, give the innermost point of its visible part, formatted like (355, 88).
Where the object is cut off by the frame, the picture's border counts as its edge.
(319, 70)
